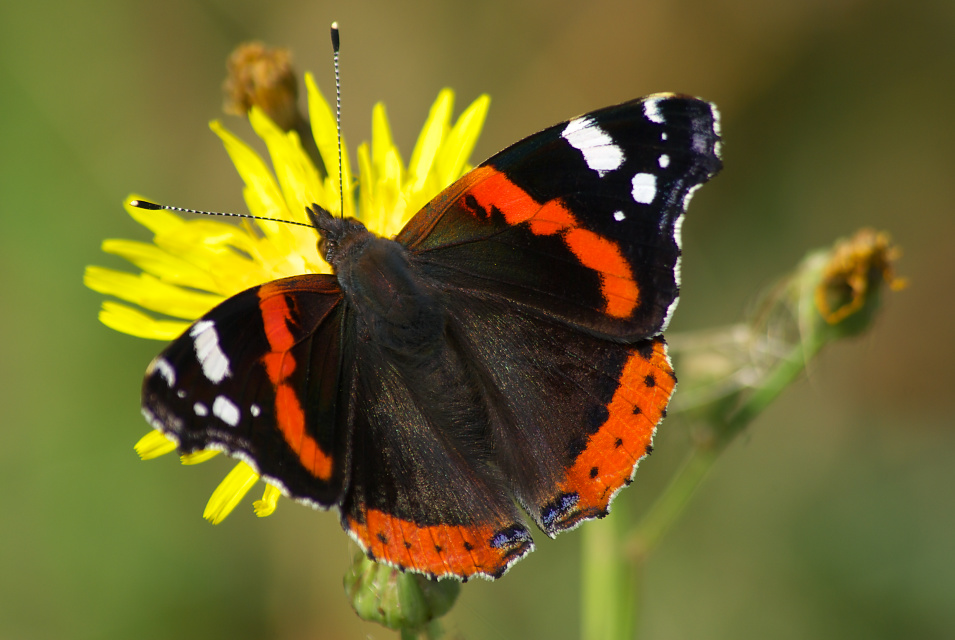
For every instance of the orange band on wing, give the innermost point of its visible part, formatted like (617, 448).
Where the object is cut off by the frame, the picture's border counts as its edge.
(604, 257)
(275, 318)
(608, 461)
(438, 550)
(279, 365)
(492, 190)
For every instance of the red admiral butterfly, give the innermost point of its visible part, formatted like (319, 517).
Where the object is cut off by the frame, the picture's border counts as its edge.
(504, 346)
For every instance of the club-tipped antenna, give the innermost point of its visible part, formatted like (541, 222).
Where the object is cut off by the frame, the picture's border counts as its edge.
(336, 45)
(152, 206)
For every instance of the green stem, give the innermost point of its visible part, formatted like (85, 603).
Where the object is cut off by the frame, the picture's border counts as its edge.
(666, 510)
(608, 593)
(781, 377)
(431, 631)
(661, 515)
(434, 630)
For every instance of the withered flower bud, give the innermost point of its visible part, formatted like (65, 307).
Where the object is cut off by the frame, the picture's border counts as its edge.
(856, 268)
(263, 77)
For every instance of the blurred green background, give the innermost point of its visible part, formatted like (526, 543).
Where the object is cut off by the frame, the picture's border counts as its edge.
(833, 517)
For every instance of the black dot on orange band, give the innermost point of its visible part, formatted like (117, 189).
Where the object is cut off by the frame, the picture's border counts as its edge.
(637, 410)
(650, 381)
(618, 443)
(474, 206)
(382, 538)
(468, 546)
(407, 545)
(593, 472)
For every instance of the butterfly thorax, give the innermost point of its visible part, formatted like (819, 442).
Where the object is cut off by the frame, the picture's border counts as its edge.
(396, 307)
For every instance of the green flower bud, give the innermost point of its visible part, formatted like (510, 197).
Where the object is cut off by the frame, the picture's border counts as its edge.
(397, 600)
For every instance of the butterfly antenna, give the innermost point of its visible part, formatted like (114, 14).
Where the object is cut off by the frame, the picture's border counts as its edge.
(336, 45)
(152, 206)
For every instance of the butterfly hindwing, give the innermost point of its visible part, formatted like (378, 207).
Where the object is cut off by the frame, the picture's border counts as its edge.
(423, 492)
(580, 221)
(259, 377)
(571, 414)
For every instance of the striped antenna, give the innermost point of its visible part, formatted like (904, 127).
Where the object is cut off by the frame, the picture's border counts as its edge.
(152, 206)
(336, 45)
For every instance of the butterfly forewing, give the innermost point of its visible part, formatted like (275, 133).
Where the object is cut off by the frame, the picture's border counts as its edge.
(259, 376)
(580, 221)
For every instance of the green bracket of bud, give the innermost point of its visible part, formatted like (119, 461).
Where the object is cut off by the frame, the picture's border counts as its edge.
(407, 602)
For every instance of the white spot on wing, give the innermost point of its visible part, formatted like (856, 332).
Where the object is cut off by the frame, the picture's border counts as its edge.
(651, 109)
(664, 161)
(165, 370)
(225, 410)
(600, 152)
(644, 187)
(255, 410)
(200, 409)
(619, 215)
(215, 364)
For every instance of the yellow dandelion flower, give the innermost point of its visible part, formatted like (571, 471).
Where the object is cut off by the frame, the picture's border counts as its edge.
(192, 265)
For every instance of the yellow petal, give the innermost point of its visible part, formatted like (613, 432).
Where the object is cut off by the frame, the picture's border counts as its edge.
(198, 457)
(369, 210)
(136, 323)
(231, 257)
(325, 132)
(460, 142)
(433, 132)
(230, 492)
(262, 194)
(150, 293)
(395, 207)
(299, 180)
(266, 506)
(213, 237)
(382, 143)
(165, 266)
(157, 221)
(154, 444)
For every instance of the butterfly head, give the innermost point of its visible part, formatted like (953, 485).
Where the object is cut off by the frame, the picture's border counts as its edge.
(336, 235)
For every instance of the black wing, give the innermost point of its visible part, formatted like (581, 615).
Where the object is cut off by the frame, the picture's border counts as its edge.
(580, 222)
(259, 377)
